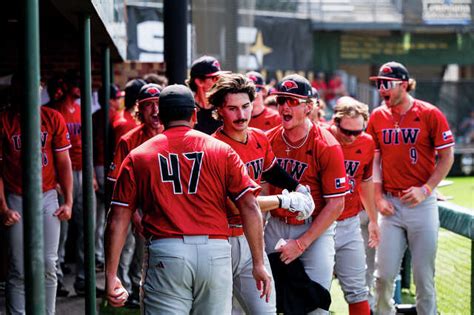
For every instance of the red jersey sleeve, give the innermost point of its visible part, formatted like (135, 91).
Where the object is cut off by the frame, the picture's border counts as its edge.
(370, 130)
(334, 181)
(61, 138)
(440, 132)
(367, 175)
(238, 182)
(121, 152)
(125, 192)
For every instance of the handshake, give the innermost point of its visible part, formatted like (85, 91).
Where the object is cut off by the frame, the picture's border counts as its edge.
(298, 201)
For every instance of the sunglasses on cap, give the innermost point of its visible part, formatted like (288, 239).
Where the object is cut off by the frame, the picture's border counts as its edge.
(348, 132)
(387, 84)
(290, 101)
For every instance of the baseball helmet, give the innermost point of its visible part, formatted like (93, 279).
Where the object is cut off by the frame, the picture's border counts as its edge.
(393, 71)
(150, 91)
(294, 85)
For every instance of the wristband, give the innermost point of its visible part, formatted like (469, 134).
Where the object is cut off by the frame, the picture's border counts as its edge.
(426, 190)
(299, 245)
(279, 201)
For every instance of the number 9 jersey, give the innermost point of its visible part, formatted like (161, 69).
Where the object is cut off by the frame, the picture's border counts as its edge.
(409, 142)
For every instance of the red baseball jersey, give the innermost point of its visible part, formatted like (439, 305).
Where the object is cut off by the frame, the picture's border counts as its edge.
(358, 160)
(123, 123)
(256, 154)
(319, 163)
(408, 143)
(127, 143)
(180, 179)
(54, 138)
(72, 117)
(266, 120)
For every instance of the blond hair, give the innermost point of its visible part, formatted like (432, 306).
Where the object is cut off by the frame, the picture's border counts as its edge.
(347, 106)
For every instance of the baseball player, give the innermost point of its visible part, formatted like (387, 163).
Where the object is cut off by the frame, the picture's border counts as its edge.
(263, 118)
(188, 268)
(232, 96)
(56, 168)
(147, 104)
(125, 119)
(350, 119)
(312, 156)
(71, 111)
(204, 73)
(408, 135)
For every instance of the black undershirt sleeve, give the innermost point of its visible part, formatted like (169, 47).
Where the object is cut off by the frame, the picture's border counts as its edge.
(279, 178)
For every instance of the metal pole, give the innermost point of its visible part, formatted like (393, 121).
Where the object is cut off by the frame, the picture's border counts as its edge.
(232, 47)
(87, 170)
(175, 19)
(31, 163)
(105, 107)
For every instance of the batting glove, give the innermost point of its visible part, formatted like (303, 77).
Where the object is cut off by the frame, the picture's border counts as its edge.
(309, 202)
(297, 202)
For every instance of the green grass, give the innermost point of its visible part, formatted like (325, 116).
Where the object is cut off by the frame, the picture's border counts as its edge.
(453, 262)
(453, 272)
(462, 191)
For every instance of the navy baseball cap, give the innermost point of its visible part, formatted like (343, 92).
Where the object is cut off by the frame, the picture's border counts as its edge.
(132, 88)
(206, 66)
(257, 78)
(149, 91)
(315, 93)
(294, 85)
(393, 71)
(176, 95)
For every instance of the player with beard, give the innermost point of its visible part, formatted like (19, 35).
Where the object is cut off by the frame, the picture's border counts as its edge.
(414, 145)
(312, 156)
(232, 95)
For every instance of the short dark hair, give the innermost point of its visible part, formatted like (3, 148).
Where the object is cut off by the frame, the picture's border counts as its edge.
(230, 83)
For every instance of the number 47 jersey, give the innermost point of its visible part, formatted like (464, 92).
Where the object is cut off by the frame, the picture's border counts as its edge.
(181, 179)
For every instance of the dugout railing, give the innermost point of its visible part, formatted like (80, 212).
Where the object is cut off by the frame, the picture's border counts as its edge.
(452, 269)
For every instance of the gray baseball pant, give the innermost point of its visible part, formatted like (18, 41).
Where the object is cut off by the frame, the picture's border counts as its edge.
(244, 285)
(192, 275)
(416, 228)
(350, 260)
(369, 257)
(15, 286)
(317, 259)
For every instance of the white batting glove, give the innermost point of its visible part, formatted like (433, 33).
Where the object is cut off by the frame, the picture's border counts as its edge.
(309, 202)
(297, 202)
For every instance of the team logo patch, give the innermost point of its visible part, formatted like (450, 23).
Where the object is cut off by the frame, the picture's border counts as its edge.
(386, 70)
(340, 182)
(153, 91)
(289, 85)
(253, 78)
(216, 64)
